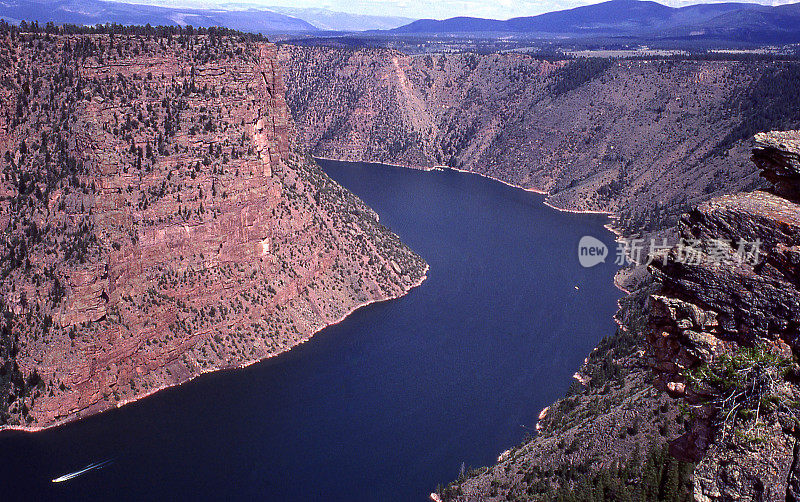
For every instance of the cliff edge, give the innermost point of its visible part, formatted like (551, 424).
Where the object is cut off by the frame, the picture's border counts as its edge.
(160, 220)
(643, 139)
(714, 329)
(724, 332)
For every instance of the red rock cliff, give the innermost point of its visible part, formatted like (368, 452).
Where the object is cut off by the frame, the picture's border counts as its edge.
(161, 221)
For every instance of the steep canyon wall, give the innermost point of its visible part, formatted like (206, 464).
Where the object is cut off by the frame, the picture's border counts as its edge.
(642, 139)
(161, 220)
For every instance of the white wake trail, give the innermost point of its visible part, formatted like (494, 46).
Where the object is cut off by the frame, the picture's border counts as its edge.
(90, 467)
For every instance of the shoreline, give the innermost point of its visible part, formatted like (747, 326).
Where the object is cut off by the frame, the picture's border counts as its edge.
(539, 191)
(405, 166)
(439, 167)
(618, 237)
(245, 364)
(206, 371)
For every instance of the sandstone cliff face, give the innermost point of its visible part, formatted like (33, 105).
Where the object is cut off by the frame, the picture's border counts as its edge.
(724, 333)
(161, 221)
(645, 140)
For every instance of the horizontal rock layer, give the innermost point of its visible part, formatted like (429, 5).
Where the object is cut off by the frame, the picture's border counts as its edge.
(161, 221)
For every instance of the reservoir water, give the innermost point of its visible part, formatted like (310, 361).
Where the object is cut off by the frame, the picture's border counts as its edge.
(388, 403)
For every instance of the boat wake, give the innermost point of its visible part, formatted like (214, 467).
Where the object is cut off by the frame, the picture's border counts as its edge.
(90, 467)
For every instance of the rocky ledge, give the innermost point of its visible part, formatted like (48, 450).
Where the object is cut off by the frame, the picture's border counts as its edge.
(724, 333)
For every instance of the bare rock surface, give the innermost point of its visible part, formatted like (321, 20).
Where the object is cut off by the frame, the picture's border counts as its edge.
(724, 334)
(715, 330)
(778, 155)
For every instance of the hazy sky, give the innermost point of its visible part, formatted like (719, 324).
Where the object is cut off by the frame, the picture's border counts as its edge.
(437, 9)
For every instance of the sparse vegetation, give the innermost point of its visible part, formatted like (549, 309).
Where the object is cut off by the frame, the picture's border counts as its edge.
(743, 386)
(606, 440)
(146, 207)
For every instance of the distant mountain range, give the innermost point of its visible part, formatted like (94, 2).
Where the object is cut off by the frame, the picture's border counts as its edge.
(741, 22)
(240, 16)
(730, 21)
(326, 19)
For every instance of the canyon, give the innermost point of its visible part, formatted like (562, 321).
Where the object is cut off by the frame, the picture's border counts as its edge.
(644, 139)
(695, 396)
(161, 220)
(164, 218)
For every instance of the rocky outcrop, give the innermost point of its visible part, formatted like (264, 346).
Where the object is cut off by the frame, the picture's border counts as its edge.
(778, 156)
(718, 331)
(160, 221)
(724, 332)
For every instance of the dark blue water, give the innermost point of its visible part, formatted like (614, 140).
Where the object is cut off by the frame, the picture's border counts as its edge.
(384, 405)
